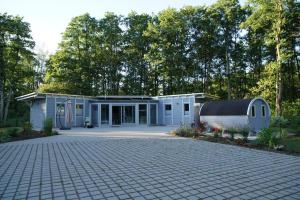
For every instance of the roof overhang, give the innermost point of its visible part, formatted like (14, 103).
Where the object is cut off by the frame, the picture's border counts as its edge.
(31, 96)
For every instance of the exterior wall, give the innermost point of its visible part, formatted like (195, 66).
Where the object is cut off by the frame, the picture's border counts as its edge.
(225, 122)
(51, 109)
(258, 122)
(37, 114)
(176, 116)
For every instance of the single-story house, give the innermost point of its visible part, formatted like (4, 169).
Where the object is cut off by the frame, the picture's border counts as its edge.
(74, 110)
(251, 114)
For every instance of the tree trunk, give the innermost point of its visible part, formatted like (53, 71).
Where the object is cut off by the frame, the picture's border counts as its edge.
(228, 75)
(9, 95)
(279, 87)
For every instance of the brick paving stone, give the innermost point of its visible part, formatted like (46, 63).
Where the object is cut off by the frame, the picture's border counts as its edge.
(72, 167)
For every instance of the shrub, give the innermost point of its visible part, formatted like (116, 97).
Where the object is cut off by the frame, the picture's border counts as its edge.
(27, 126)
(13, 131)
(48, 125)
(4, 136)
(231, 132)
(245, 133)
(186, 131)
(264, 136)
(279, 122)
(269, 138)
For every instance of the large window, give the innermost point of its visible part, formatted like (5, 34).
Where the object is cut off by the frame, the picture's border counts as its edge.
(128, 115)
(263, 111)
(79, 110)
(60, 109)
(104, 113)
(143, 114)
(253, 111)
(186, 109)
(168, 109)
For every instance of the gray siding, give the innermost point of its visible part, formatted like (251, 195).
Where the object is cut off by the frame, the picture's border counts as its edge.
(258, 122)
(176, 116)
(37, 114)
(51, 109)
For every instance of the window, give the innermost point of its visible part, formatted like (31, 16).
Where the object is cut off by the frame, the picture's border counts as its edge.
(143, 114)
(263, 111)
(186, 109)
(104, 113)
(253, 111)
(60, 109)
(79, 110)
(168, 109)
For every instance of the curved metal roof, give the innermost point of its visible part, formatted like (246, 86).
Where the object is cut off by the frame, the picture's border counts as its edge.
(225, 107)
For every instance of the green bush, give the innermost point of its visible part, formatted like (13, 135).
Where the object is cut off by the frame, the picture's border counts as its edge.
(279, 122)
(264, 136)
(232, 132)
(48, 125)
(269, 138)
(13, 131)
(27, 126)
(186, 131)
(4, 136)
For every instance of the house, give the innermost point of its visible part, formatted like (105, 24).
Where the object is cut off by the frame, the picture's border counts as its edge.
(102, 111)
(253, 114)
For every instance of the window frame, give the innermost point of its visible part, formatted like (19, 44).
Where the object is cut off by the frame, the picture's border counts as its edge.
(76, 109)
(186, 112)
(58, 104)
(168, 111)
(253, 107)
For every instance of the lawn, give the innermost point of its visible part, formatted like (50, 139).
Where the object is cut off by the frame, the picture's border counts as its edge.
(292, 144)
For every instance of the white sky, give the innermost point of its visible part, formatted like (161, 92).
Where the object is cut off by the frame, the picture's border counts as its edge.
(49, 18)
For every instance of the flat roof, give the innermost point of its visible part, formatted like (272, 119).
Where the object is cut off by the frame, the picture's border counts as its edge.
(40, 95)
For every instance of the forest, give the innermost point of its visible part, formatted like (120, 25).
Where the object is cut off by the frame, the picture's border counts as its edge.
(229, 50)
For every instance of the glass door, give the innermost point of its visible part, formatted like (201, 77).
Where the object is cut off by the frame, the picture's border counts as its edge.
(116, 115)
(153, 117)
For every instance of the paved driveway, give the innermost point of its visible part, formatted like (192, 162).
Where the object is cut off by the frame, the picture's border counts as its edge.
(72, 167)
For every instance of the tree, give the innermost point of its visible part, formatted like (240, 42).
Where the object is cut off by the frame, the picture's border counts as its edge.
(16, 60)
(272, 13)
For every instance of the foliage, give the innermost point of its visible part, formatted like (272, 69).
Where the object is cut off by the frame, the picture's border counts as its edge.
(291, 108)
(27, 126)
(186, 131)
(13, 131)
(16, 61)
(279, 122)
(232, 132)
(48, 125)
(292, 144)
(4, 136)
(270, 138)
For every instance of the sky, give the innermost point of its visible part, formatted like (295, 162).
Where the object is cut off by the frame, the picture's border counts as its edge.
(49, 18)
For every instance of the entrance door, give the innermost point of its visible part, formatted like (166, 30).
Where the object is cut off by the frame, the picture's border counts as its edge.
(152, 114)
(95, 115)
(116, 115)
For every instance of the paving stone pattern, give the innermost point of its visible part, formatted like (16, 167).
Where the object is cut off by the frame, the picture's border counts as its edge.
(65, 167)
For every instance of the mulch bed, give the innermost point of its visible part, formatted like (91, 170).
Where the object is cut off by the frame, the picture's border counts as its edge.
(24, 136)
(242, 143)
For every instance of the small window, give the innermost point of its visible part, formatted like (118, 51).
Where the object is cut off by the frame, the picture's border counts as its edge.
(168, 109)
(263, 111)
(253, 111)
(79, 109)
(60, 109)
(186, 109)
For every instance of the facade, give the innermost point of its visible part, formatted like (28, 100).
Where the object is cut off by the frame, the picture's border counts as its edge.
(253, 114)
(103, 111)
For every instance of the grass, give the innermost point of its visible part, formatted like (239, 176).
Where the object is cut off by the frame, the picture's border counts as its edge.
(292, 144)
